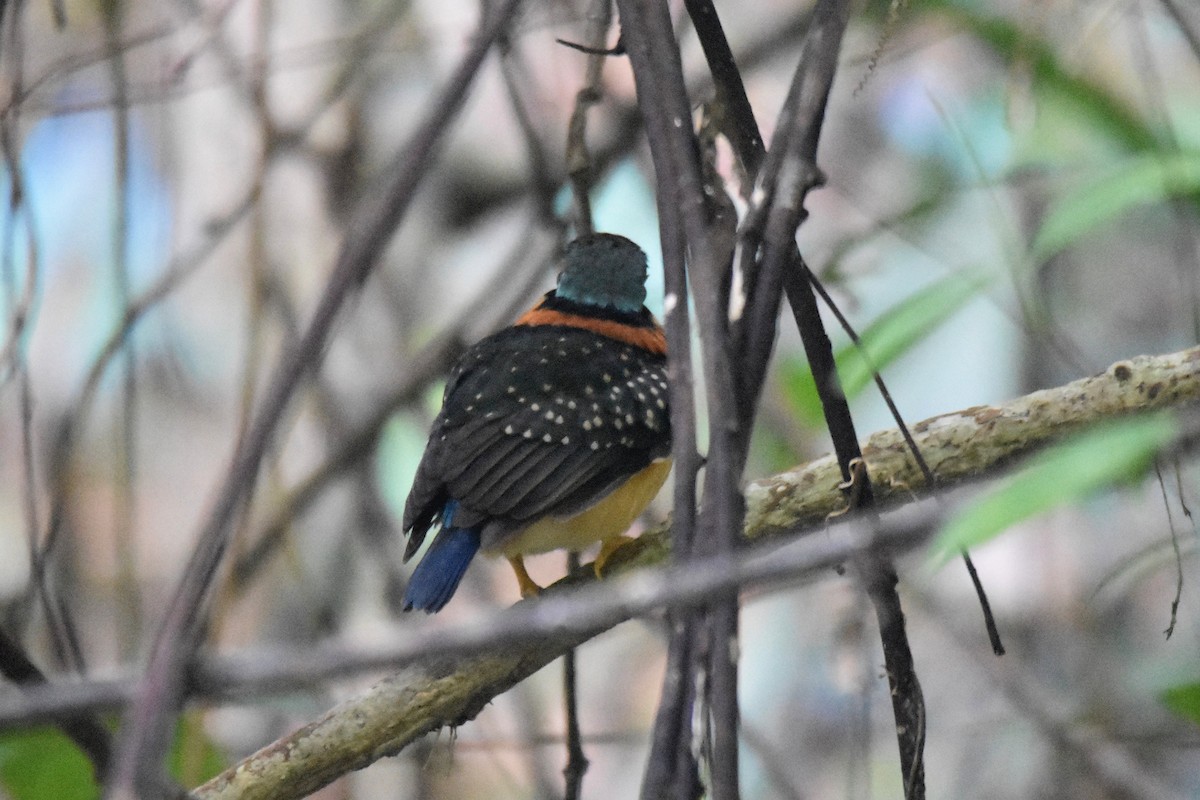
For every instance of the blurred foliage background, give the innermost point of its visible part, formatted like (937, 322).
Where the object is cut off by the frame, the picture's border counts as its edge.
(1011, 203)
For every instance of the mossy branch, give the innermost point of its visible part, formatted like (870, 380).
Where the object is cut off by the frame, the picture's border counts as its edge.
(957, 446)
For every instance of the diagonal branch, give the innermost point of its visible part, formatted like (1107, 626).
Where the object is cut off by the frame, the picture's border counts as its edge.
(146, 737)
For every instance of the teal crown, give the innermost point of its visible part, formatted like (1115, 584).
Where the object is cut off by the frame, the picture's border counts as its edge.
(603, 269)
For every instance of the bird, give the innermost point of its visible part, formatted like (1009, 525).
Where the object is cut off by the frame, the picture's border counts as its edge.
(554, 433)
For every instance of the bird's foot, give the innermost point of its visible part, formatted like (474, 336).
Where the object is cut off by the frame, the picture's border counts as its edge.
(526, 584)
(609, 547)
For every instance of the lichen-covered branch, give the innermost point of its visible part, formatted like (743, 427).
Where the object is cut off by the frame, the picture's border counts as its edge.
(382, 721)
(958, 446)
(975, 441)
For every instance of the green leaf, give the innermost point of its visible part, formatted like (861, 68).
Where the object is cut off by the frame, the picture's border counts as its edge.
(1184, 700)
(895, 332)
(43, 764)
(1066, 473)
(1137, 181)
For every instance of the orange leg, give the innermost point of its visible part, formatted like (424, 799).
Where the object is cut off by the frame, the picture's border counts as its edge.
(526, 584)
(609, 547)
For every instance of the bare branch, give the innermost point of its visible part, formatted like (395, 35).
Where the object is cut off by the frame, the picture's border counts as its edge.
(453, 689)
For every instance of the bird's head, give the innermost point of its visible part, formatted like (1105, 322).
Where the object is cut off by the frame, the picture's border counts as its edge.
(603, 269)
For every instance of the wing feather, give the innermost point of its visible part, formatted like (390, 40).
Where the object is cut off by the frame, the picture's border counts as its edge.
(539, 421)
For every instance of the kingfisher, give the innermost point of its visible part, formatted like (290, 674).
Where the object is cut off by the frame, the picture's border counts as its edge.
(553, 433)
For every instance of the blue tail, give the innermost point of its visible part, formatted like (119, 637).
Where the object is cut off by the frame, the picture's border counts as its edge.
(436, 578)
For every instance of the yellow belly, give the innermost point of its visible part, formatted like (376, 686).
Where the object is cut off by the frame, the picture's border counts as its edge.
(609, 518)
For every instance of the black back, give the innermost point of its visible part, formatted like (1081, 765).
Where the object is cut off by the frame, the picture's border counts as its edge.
(537, 421)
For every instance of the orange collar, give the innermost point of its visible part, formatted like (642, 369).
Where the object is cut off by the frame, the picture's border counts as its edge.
(650, 339)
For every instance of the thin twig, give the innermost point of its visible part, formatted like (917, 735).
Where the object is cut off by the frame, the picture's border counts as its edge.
(678, 692)
(1175, 547)
(581, 168)
(177, 272)
(543, 182)
(62, 638)
(930, 480)
(124, 521)
(581, 173)
(577, 762)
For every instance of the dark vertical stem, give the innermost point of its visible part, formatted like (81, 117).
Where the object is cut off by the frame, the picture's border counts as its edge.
(708, 236)
(677, 697)
(742, 129)
(577, 762)
(723, 697)
(787, 173)
(581, 173)
(580, 168)
(672, 730)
